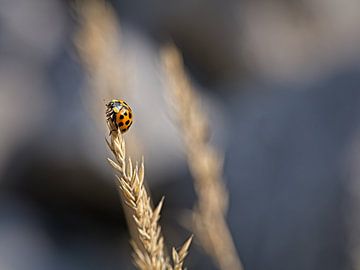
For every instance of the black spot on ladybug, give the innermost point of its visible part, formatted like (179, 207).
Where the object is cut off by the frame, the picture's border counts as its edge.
(127, 122)
(125, 113)
(121, 124)
(130, 115)
(121, 117)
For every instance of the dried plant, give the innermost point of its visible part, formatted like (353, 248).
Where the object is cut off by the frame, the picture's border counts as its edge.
(149, 253)
(205, 165)
(97, 42)
(98, 45)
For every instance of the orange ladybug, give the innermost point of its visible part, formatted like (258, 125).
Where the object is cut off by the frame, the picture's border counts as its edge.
(119, 113)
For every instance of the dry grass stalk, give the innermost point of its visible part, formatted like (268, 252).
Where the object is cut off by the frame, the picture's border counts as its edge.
(179, 256)
(149, 254)
(205, 164)
(98, 43)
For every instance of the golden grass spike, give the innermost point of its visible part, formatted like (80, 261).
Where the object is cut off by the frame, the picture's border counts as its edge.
(135, 195)
(205, 165)
(149, 252)
(97, 43)
(179, 256)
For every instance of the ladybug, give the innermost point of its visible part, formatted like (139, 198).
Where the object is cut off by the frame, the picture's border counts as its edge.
(119, 114)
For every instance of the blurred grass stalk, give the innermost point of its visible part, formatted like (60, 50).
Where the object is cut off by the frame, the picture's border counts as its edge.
(97, 44)
(205, 164)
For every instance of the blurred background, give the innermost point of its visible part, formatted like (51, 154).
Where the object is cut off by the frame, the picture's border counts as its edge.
(280, 83)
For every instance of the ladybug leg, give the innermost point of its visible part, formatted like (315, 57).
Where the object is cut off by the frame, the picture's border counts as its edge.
(113, 129)
(112, 123)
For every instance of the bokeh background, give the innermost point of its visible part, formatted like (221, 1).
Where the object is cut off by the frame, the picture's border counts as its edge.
(280, 83)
